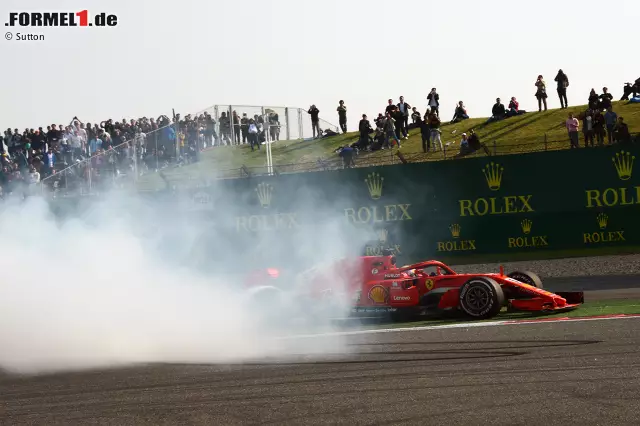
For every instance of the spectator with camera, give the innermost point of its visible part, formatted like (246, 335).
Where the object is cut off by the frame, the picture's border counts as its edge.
(433, 101)
(314, 112)
(541, 93)
(563, 83)
(342, 116)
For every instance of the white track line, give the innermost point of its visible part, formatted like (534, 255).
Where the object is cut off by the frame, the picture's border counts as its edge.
(457, 325)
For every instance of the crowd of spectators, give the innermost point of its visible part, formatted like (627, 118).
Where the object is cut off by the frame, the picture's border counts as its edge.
(600, 122)
(106, 152)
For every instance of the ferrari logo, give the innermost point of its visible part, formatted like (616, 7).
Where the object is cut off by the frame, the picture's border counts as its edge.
(428, 284)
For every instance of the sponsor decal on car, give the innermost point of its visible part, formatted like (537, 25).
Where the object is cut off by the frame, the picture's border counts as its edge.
(371, 309)
(401, 298)
(391, 276)
(378, 295)
(374, 271)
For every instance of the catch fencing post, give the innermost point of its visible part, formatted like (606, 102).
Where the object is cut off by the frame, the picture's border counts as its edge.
(216, 119)
(232, 124)
(286, 122)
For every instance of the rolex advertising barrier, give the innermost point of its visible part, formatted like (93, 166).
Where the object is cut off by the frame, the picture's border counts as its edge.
(560, 200)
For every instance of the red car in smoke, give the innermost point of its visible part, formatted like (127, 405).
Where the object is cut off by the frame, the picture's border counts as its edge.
(375, 284)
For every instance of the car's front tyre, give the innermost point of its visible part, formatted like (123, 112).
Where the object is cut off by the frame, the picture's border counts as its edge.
(481, 298)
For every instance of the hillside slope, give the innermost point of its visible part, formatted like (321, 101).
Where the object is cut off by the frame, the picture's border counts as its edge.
(533, 131)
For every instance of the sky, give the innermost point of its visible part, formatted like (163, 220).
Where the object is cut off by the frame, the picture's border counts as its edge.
(189, 55)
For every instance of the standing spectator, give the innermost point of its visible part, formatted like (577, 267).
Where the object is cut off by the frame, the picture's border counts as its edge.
(390, 131)
(541, 93)
(50, 160)
(572, 125)
(398, 118)
(425, 131)
(365, 130)
(342, 116)
(598, 127)
(244, 127)
(434, 126)
(433, 99)
(14, 142)
(262, 136)
(253, 134)
(95, 143)
(587, 128)
(563, 83)
(225, 128)
(404, 108)
(610, 120)
(34, 176)
(315, 121)
(605, 99)
(274, 126)
(390, 106)
(416, 117)
(210, 135)
(594, 99)
(392, 110)
(236, 127)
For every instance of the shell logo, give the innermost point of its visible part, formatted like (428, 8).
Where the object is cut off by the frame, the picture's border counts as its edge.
(378, 294)
(428, 284)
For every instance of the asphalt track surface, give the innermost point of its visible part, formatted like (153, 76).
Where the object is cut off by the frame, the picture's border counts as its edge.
(563, 373)
(567, 373)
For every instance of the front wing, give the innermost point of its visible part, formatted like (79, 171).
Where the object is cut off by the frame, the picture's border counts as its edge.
(556, 302)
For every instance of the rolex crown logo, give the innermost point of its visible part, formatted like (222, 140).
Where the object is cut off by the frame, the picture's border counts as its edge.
(603, 219)
(264, 191)
(383, 235)
(493, 174)
(526, 226)
(455, 230)
(374, 184)
(624, 164)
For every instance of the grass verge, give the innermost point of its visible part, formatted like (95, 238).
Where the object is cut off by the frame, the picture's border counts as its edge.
(533, 131)
(600, 307)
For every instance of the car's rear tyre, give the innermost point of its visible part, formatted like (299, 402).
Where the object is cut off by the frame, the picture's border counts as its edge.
(527, 278)
(481, 298)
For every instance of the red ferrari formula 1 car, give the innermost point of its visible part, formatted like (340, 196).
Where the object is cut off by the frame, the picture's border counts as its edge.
(376, 284)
